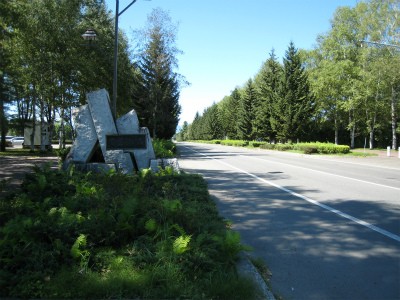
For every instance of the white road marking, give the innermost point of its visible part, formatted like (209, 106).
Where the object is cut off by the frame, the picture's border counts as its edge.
(326, 207)
(326, 173)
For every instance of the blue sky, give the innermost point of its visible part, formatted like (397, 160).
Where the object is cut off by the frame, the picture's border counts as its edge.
(225, 42)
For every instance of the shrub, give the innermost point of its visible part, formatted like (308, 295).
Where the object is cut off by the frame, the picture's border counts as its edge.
(164, 148)
(62, 153)
(268, 146)
(322, 148)
(151, 235)
(236, 143)
(256, 144)
(283, 147)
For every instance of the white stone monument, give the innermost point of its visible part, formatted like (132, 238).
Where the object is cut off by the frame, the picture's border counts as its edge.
(124, 145)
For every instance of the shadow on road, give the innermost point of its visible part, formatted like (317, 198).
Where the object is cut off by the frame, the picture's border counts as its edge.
(313, 253)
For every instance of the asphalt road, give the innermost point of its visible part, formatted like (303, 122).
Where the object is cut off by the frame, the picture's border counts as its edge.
(328, 228)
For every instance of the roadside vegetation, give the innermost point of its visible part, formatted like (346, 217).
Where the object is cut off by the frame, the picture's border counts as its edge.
(150, 235)
(345, 90)
(306, 148)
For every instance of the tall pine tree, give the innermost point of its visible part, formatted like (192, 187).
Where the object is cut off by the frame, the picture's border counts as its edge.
(269, 86)
(294, 110)
(246, 112)
(157, 100)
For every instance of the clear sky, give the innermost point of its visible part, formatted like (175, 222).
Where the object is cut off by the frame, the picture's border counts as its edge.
(225, 42)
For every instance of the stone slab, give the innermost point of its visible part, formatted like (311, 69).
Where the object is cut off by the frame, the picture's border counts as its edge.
(99, 105)
(144, 156)
(104, 124)
(121, 159)
(129, 124)
(161, 163)
(86, 138)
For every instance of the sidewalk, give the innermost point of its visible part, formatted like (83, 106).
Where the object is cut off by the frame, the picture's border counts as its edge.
(14, 168)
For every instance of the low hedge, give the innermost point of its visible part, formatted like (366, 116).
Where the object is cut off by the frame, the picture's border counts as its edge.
(321, 148)
(306, 148)
(236, 143)
(256, 144)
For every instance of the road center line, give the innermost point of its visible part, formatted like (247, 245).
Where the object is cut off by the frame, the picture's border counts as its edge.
(326, 173)
(326, 207)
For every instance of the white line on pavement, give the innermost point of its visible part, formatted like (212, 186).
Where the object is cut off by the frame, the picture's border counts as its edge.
(350, 178)
(338, 212)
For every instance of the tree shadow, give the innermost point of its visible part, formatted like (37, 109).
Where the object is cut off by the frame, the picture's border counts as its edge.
(313, 253)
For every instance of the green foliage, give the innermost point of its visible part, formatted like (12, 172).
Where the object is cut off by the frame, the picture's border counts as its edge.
(157, 95)
(62, 153)
(247, 108)
(236, 143)
(293, 111)
(164, 148)
(256, 144)
(115, 236)
(181, 244)
(322, 148)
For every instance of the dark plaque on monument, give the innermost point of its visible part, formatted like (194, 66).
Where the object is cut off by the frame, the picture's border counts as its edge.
(126, 142)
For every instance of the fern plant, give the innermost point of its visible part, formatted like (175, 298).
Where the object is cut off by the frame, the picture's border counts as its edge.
(79, 252)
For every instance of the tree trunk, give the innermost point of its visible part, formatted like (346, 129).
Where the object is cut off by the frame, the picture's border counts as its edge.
(3, 126)
(352, 130)
(61, 141)
(3, 122)
(336, 130)
(371, 128)
(371, 139)
(32, 137)
(42, 127)
(352, 137)
(394, 118)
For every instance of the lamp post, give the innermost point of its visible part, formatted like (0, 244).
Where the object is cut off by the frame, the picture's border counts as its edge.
(89, 35)
(115, 77)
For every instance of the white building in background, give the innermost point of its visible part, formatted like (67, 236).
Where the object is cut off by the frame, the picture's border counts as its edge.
(40, 131)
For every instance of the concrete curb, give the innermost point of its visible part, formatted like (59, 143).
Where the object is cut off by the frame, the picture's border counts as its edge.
(247, 269)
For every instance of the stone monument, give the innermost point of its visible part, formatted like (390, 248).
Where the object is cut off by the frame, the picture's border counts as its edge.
(102, 143)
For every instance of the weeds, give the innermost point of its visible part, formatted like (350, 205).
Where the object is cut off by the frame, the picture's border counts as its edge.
(74, 235)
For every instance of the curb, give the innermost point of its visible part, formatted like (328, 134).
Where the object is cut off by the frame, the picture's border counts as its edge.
(246, 268)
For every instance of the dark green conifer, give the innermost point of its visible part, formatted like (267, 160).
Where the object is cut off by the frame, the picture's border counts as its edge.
(246, 112)
(294, 111)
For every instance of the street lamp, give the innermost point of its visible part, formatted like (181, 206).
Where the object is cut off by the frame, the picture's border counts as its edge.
(89, 35)
(115, 79)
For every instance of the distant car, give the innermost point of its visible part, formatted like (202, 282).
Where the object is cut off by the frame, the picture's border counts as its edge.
(8, 140)
(19, 140)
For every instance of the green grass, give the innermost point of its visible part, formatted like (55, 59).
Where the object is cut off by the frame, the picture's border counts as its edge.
(358, 153)
(74, 235)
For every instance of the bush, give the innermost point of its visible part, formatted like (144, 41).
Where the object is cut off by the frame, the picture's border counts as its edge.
(164, 148)
(256, 144)
(268, 146)
(62, 153)
(322, 148)
(74, 235)
(236, 143)
(283, 147)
